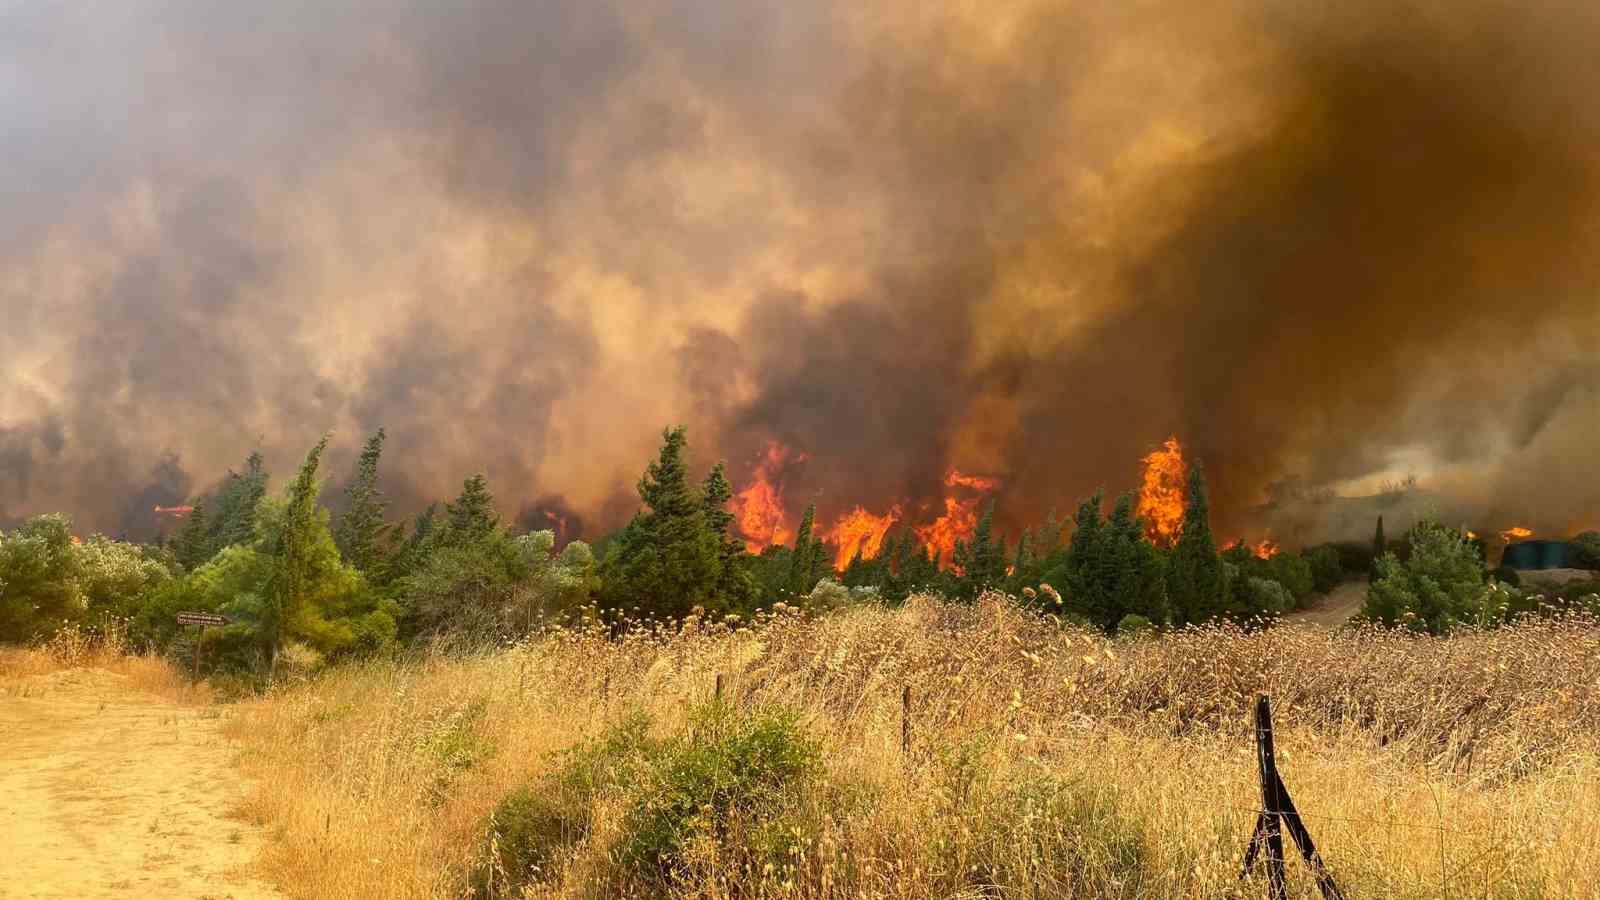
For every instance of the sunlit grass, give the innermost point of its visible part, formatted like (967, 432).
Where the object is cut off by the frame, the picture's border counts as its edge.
(1043, 762)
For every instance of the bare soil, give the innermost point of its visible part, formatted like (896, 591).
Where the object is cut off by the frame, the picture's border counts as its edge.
(106, 791)
(1333, 608)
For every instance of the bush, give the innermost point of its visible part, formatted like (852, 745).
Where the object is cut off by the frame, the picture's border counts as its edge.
(1133, 626)
(534, 825)
(1440, 585)
(1327, 571)
(725, 786)
(1585, 549)
(1267, 597)
(732, 772)
(1506, 575)
(827, 595)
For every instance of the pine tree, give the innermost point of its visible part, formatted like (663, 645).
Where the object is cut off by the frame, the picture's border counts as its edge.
(668, 559)
(234, 520)
(737, 585)
(1197, 583)
(194, 541)
(1023, 562)
(988, 552)
(472, 517)
(800, 581)
(1084, 589)
(361, 531)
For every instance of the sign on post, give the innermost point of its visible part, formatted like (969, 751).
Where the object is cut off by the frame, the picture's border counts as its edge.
(200, 621)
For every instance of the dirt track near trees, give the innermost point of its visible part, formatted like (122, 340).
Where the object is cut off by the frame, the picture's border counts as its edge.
(108, 792)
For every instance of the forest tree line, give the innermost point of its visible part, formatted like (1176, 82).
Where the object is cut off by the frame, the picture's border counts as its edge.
(294, 578)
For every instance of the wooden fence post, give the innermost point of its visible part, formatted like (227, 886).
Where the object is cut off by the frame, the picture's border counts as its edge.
(716, 691)
(1277, 813)
(905, 720)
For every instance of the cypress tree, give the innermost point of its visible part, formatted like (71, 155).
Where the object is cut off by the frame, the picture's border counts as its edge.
(805, 549)
(194, 546)
(736, 586)
(361, 530)
(287, 587)
(1379, 547)
(1197, 582)
(988, 555)
(1083, 570)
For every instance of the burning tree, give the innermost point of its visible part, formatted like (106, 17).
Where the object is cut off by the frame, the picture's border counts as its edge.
(1161, 497)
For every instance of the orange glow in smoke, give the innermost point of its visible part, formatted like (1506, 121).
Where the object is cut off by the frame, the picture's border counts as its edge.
(1267, 549)
(1162, 494)
(1516, 533)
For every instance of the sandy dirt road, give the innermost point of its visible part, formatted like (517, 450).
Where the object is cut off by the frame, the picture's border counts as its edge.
(109, 792)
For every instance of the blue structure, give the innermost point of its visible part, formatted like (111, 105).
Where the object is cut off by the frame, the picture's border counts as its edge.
(1537, 555)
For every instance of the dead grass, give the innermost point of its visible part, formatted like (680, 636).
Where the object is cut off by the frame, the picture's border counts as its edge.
(1043, 762)
(24, 670)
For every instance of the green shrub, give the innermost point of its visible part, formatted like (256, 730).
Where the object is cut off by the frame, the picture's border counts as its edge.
(1585, 550)
(1506, 575)
(1267, 597)
(1440, 585)
(727, 784)
(1326, 569)
(1133, 626)
(535, 824)
(732, 772)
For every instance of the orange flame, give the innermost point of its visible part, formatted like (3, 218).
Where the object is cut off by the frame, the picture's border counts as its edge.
(1267, 549)
(859, 531)
(960, 519)
(957, 478)
(179, 511)
(1162, 494)
(758, 509)
(1515, 533)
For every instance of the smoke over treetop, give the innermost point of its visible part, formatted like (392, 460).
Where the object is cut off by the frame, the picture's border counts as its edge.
(1031, 240)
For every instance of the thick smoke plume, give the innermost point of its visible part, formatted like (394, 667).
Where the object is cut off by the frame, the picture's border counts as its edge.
(1324, 247)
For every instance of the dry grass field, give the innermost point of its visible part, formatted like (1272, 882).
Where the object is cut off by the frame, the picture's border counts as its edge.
(1042, 762)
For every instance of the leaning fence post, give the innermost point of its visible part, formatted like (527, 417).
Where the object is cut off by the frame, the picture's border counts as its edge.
(905, 719)
(1277, 813)
(716, 690)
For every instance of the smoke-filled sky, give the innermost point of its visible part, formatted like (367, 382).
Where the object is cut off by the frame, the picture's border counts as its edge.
(1323, 243)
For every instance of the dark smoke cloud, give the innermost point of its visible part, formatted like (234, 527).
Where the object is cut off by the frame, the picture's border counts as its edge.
(1322, 246)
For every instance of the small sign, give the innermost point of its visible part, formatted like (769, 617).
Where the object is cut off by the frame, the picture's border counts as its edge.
(194, 618)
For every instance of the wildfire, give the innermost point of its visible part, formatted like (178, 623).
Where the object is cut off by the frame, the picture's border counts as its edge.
(957, 478)
(958, 522)
(176, 511)
(1162, 494)
(1516, 533)
(859, 531)
(1267, 549)
(960, 517)
(758, 509)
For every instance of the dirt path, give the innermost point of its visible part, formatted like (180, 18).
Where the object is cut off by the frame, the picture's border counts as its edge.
(108, 792)
(1334, 609)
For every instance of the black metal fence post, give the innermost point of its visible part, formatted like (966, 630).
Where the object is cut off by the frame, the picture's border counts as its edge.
(1278, 813)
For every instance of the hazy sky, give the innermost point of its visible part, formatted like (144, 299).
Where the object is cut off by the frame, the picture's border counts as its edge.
(1027, 239)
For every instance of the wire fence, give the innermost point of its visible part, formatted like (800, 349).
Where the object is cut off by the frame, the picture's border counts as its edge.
(1263, 856)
